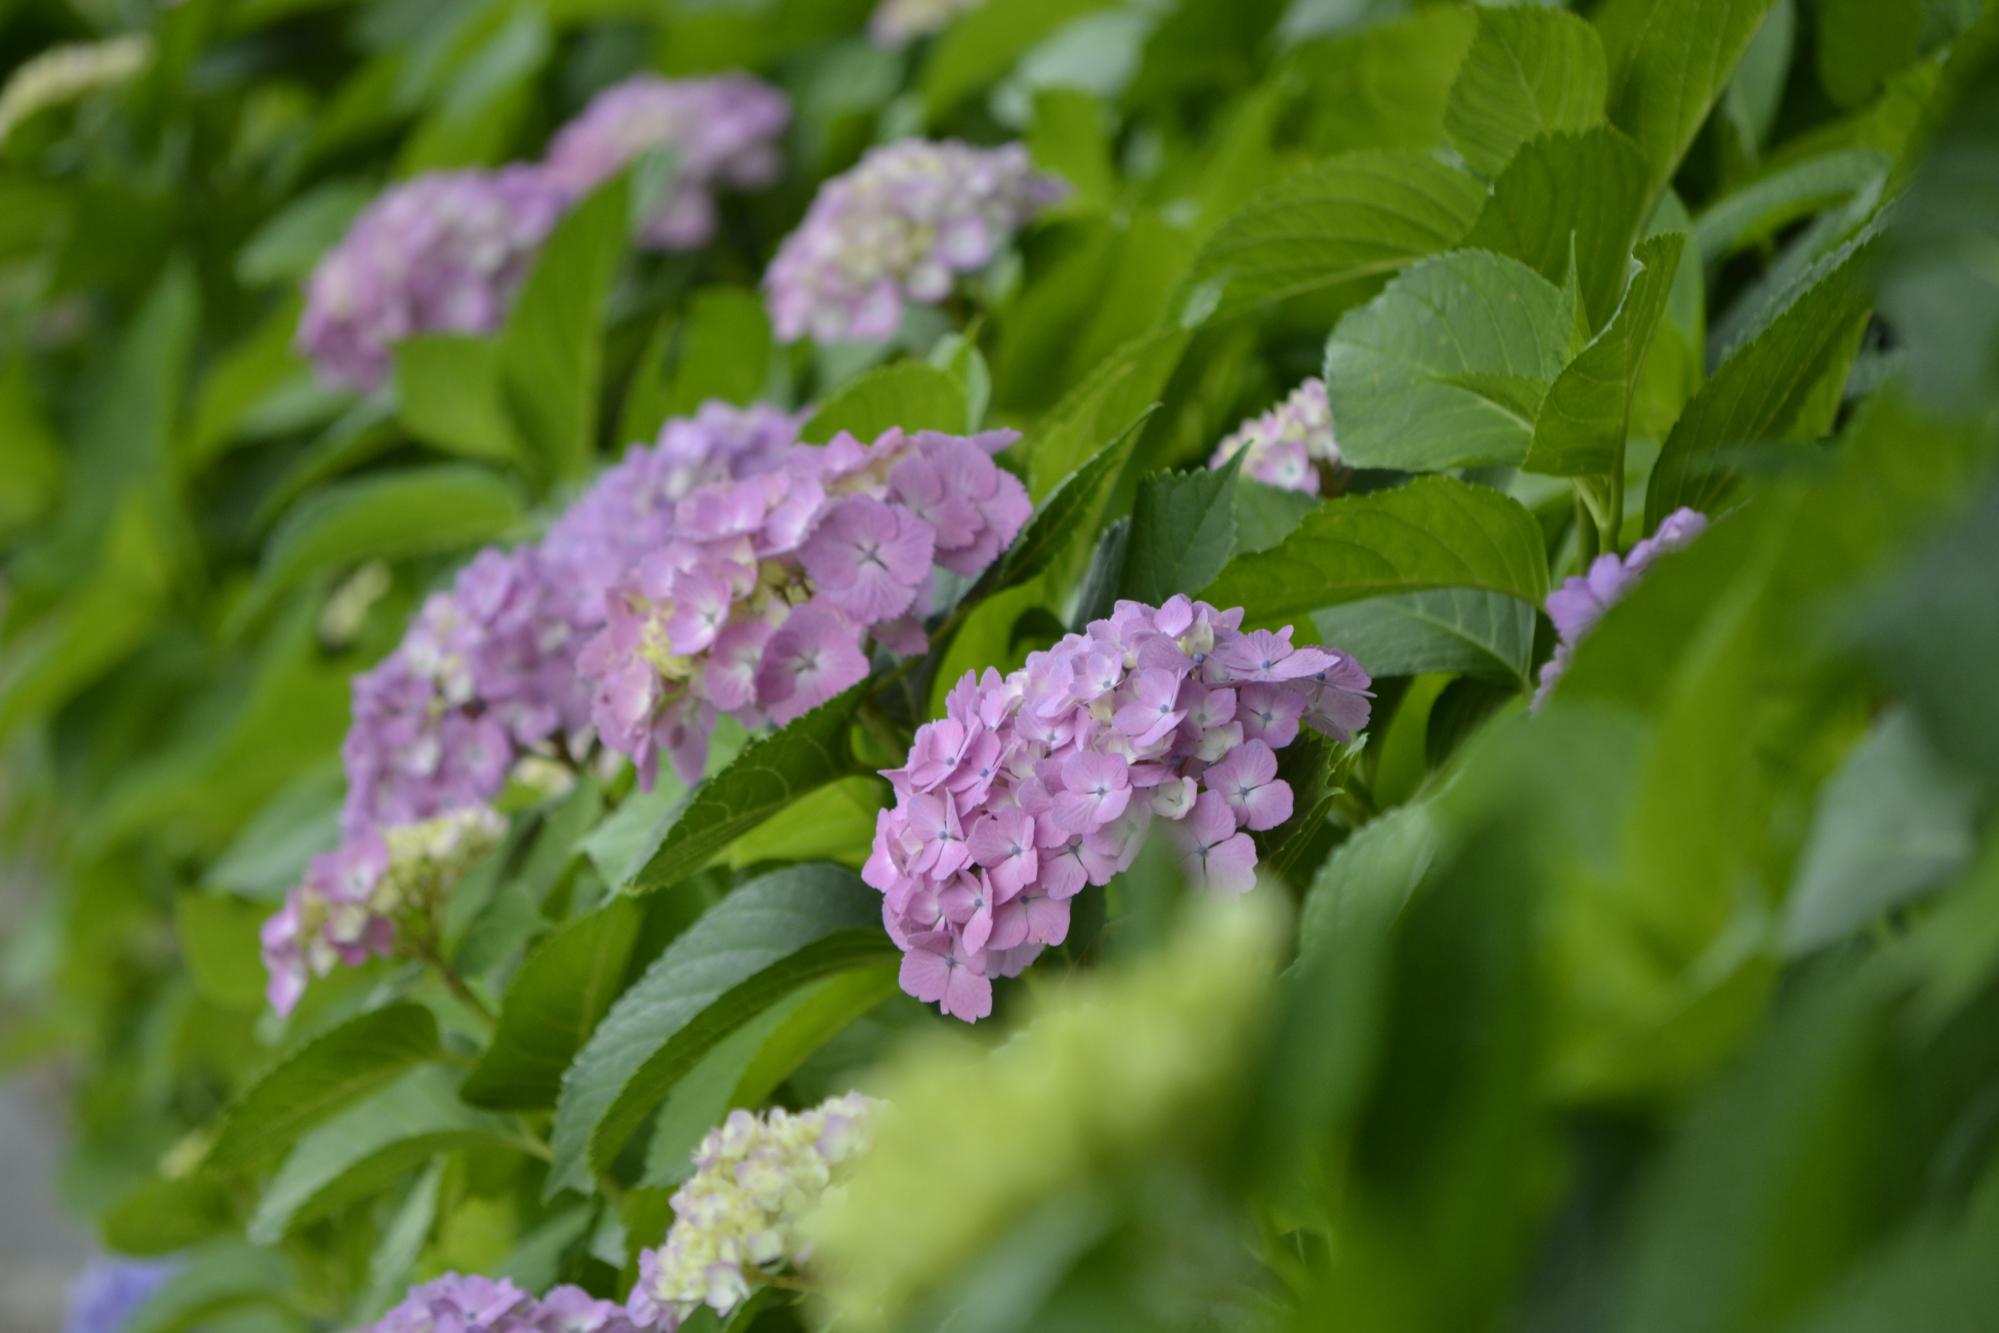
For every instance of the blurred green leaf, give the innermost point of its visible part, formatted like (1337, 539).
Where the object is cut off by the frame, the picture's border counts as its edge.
(218, 938)
(449, 393)
(982, 45)
(216, 1280)
(1529, 72)
(1384, 84)
(285, 248)
(1861, 42)
(908, 394)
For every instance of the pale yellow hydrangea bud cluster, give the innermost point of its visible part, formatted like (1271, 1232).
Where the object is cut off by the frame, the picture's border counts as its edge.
(65, 73)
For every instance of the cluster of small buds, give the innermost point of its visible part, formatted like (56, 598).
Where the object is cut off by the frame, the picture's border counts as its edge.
(738, 1218)
(762, 604)
(1581, 601)
(364, 898)
(1042, 781)
(721, 131)
(896, 23)
(442, 253)
(111, 1290)
(899, 228)
(459, 1303)
(1288, 446)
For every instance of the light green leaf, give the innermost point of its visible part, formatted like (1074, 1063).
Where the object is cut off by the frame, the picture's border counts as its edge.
(552, 1005)
(771, 773)
(218, 939)
(369, 1146)
(285, 248)
(982, 46)
(1182, 531)
(449, 393)
(1570, 200)
(752, 949)
(1530, 71)
(725, 352)
(167, 1214)
(1384, 84)
(1781, 384)
(1447, 629)
(1435, 532)
(1102, 407)
(552, 351)
(1447, 367)
(835, 823)
(1581, 427)
(1069, 512)
(1761, 208)
(1355, 216)
(909, 394)
(325, 1074)
(1669, 61)
(216, 1280)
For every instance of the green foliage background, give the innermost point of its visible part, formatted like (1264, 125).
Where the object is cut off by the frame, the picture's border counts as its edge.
(1671, 1006)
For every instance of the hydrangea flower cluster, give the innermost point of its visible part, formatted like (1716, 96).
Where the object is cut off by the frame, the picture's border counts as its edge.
(360, 900)
(442, 253)
(897, 23)
(1580, 602)
(762, 605)
(1288, 445)
(722, 131)
(899, 227)
(110, 1291)
(1040, 782)
(756, 1179)
(458, 1303)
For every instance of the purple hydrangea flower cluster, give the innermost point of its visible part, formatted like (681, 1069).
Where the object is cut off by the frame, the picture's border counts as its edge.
(897, 23)
(755, 1180)
(900, 227)
(1288, 445)
(458, 1303)
(762, 604)
(1580, 602)
(442, 253)
(110, 1291)
(1040, 782)
(722, 131)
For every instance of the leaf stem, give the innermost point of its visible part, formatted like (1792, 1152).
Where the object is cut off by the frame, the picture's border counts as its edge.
(457, 985)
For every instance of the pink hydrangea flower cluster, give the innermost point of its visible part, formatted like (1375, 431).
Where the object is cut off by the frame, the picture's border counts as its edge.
(1289, 445)
(900, 227)
(460, 1303)
(722, 131)
(1040, 782)
(442, 253)
(1581, 601)
(762, 605)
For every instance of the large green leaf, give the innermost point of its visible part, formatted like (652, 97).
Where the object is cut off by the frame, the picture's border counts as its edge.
(1530, 71)
(1445, 629)
(752, 949)
(371, 1145)
(448, 393)
(1183, 527)
(1580, 429)
(1861, 42)
(551, 1007)
(982, 46)
(1447, 367)
(322, 1076)
(427, 510)
(1063, 517)
(771, 773)
(1570, 200)
(551, 351)
(1121, 387)
(1355, 216)
(1435, 532)
(1383, 84)
(1783, 383)
(1760, 208)
(1669, 61)
(909, 394)
(213, 1282)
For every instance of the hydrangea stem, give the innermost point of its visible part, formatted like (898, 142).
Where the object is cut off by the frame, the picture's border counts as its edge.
(457, 985)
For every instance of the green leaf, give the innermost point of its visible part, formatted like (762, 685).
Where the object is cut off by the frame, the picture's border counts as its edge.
(1570, 199)
(1071, 509)
(1435, 532)
(771, 773)
(725, 353)
(285, 248)
(310, 1083)
(752, 949)
(1759, 209)
(1447, 629)
(983, 45)
(552, 350)
(1669, 61)
(1861, 42)
(1355, 216)
(368, 1147)
(909, 394)
(215, 1281)
(448, 393)
(166, 1215)
(1581, 427)
(1448, 365)
(218, 938)
(1384, 84)
(552, 1005)
(1530, 71)
(1781, 384)
(1182, 531)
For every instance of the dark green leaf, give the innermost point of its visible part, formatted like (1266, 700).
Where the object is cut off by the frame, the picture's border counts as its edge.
(982, 46)
(1530, 71)
(1446, 629)
(1070, 510)
(1182, 530)
(1861, 42)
